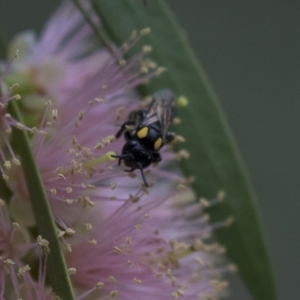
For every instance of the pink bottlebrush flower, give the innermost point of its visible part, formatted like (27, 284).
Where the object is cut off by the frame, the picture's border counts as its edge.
(84, 116)
(7, 94)
(153, 249)
(15, 277)
(52, 61)
(145, 243)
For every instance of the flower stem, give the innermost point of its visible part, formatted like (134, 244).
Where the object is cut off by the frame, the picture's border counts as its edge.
(100, 34)
(56, 267)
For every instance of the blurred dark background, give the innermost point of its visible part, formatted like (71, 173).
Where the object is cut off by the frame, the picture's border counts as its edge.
(250, 51)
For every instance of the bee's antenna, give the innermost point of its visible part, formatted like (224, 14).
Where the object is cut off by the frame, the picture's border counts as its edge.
(144, 177)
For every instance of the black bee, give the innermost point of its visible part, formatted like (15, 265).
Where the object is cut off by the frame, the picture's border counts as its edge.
(146, 131)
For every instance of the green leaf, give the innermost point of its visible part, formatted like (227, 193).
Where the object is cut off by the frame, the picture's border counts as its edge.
(215, 161)
(56, 267)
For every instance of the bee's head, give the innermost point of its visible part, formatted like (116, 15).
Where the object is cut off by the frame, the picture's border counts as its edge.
(135, 155)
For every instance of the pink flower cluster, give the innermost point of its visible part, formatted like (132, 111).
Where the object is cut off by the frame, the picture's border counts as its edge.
(122, 240)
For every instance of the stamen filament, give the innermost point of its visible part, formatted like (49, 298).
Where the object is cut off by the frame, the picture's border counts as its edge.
(109, 156)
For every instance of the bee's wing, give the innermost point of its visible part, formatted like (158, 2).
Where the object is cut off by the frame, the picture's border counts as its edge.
(162, 109)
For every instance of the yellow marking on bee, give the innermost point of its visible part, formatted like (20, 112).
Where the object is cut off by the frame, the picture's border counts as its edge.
(142, 133)
(157, 144)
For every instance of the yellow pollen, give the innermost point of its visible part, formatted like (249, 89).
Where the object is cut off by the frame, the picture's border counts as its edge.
(182, 154)
(69, 190)
(117, 249)
(176, 121)
(99, 285)
(157, 144)
(160, 70)
(80, 115)
(43, 243)
(229, 221)
(147, 49)
(16, 162)
(72, 271)
(61, 233)
(61, 176)
(179, 138)
(221, 196)
(99, 146)
(17, 97)
(233, 268)
(7, 164)
(142, 133)
(70, 231)
(122, 62)
(119, 111)
(9, 262)
(53, 191)
(69, 247)
(93, 242)
(145, 31)
(23, 270)
(181, 187)
(20, 126)
(182, 101)
(42, 132)
(133, 35)
(54, 114)
(14, 87)
(113, 294)
(204, 202)
(137, 281)
(16, 226)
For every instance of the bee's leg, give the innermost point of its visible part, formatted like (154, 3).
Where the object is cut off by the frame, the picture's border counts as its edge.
(144, 177)
(121, 157)
(156, 158)
(170, 136)
(127, 136)
(123, 127)
(137, 116)
(119, 161)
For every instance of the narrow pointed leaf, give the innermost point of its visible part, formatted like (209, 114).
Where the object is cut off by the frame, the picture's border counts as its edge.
(56, 267)
(214, 161)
